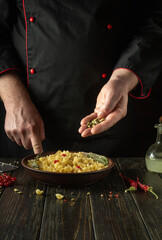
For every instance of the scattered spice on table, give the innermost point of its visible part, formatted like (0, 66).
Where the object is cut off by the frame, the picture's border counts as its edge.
(16, 190)
(110, 195)
(59, 196)
(39, 192)
(146, 188)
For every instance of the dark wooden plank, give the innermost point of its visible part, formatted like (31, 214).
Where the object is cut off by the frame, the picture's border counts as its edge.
(148, 206)
(21, 214)
(131, 216)
(67, 220)
(115, 218)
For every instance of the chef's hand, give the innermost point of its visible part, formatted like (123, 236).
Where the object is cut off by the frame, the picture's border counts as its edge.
(111, 102)
(23, 124)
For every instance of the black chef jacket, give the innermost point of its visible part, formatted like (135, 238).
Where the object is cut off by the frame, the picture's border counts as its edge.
(67, 50)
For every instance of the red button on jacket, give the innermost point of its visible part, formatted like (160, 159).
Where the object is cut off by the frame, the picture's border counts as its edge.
(109, 26)
(32, 19)
(32, 70)
(104, 75)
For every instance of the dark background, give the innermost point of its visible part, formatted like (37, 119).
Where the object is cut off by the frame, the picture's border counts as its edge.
(148, 112)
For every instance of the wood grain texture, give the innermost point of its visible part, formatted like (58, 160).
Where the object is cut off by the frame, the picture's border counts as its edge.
(115, 218)
(21, 214)
(148, 207)
(94, 216)
(69, 219)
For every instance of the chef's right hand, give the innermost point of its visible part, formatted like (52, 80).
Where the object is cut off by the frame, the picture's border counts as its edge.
(111, 102)
(23, 123)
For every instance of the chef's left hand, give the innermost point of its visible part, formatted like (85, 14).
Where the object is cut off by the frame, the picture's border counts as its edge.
(111, 102)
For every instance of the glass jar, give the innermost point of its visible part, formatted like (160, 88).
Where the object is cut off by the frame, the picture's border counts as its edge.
(153, 156)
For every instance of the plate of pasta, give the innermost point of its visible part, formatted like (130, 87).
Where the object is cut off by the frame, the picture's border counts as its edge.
(67, 168)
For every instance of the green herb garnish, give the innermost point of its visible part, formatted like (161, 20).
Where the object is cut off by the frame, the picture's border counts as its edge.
(96, 157)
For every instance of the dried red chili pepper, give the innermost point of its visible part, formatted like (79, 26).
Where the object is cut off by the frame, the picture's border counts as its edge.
(146, 188)
(133, 184)
(63, 155)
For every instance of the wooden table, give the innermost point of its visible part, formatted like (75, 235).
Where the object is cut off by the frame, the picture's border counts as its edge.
(84, 216)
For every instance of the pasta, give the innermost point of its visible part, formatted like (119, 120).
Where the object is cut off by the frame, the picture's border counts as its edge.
(66, 162)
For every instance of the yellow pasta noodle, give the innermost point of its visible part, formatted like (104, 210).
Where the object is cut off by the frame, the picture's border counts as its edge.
(66, 162)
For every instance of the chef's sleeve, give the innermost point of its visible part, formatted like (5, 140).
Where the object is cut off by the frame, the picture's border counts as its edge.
(8, 56)
(143, 55)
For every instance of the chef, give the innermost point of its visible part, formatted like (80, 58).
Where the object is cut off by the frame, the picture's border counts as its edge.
(65, 63)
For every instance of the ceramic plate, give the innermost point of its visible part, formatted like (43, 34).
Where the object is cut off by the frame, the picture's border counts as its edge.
(66, 179)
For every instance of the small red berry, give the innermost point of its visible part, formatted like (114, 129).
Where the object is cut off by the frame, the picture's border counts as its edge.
(6, 184)
(4, 180)
(8, 177)
(10, 183)
(13, 179)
